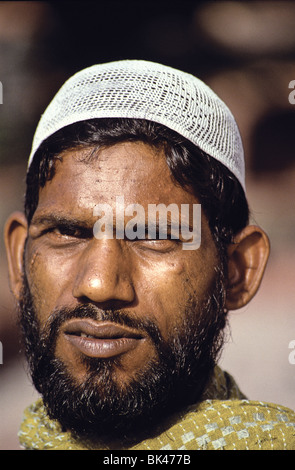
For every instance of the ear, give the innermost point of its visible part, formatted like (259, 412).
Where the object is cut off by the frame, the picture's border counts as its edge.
(15, 235)
(247, 258)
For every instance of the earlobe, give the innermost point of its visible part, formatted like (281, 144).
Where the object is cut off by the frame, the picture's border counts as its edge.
(15, 235)
(247, 259)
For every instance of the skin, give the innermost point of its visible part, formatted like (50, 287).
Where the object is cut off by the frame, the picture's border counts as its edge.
(151, 279)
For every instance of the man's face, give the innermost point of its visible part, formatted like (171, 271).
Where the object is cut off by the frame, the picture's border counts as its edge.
(113, 301)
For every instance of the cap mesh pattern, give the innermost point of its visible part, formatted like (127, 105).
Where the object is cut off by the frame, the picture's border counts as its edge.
(146, 90)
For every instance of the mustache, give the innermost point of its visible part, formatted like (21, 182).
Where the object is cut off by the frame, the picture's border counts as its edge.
(58, 317)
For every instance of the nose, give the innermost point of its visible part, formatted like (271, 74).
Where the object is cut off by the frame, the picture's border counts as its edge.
(104, 273)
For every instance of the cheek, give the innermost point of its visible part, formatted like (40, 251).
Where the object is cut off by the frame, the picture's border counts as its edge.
(49, 278)
(168, 290)
(163, 292)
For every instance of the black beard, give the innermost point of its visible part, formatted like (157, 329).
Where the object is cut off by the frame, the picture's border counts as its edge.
(101, 410)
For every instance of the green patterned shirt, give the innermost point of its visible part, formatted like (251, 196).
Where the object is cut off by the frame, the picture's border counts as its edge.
(223, 420)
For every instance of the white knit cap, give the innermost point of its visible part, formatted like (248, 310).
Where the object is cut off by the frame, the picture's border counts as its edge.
(146, 90)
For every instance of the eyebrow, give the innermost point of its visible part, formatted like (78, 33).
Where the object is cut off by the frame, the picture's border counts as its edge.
(169, 230)
(68, 222)
(56, 219)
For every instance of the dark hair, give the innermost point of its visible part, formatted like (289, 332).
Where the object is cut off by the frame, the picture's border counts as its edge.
(218, 190)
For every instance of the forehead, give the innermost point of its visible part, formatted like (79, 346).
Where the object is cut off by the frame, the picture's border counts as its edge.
(134, 170)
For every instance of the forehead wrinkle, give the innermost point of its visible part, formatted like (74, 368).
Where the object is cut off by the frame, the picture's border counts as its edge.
(113, 172)
(131, 169)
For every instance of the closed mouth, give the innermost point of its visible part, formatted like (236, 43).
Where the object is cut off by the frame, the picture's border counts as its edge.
(101, 339)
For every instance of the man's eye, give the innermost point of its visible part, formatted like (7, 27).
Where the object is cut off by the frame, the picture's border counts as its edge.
(65, 232)
(161, 245)
(68, 232)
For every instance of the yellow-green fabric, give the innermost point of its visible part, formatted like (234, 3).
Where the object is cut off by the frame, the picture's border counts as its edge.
(223, 420)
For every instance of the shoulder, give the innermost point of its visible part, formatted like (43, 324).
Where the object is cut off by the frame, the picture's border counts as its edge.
(229, 425)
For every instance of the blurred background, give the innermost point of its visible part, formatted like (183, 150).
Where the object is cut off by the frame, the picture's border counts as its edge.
(246, 52)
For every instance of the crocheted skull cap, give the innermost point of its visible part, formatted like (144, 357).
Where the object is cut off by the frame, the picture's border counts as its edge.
(146, 90)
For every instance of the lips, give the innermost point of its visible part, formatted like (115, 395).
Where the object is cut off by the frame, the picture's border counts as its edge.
(101, 339)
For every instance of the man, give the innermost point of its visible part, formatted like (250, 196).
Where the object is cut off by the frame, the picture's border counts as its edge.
(134, 245)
